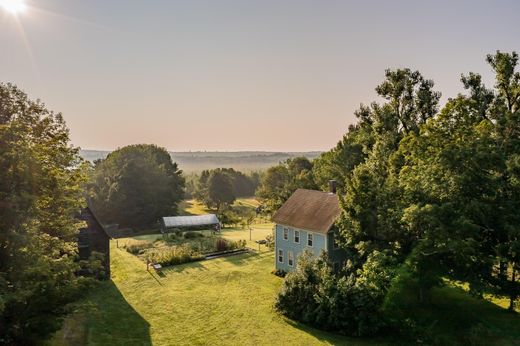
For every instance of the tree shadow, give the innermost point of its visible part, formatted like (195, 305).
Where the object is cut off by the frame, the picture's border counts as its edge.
(179, 268)
(333, 338)
(110, 320)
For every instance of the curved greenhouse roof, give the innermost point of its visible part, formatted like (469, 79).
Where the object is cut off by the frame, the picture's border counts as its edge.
(189, 221)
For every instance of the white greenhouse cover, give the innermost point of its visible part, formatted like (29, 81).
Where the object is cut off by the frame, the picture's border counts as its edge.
(187, 221)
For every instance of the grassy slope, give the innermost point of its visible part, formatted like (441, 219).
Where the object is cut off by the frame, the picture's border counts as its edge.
(229, 301)
(222, 301)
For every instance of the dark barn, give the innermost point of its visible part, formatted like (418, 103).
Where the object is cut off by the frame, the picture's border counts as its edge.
(93, 238)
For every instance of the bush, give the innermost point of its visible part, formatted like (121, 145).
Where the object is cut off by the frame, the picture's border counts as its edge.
(279, 272)
(226, 245)
(193, 235)
(136, 247)
(349, 303)
(221, 245)
(173, 255)
(269, 241)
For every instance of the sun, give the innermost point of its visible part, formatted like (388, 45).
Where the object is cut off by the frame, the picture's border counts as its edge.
(13, 6)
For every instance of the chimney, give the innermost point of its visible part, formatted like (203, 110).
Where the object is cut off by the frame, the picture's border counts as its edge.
(332, 186)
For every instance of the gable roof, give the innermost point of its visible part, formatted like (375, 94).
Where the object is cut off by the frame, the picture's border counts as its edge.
(86, 214)
(309, 209)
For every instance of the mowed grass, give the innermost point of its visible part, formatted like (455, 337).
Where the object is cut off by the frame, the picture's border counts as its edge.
(226, 301)
(194, 207)
(229, 301)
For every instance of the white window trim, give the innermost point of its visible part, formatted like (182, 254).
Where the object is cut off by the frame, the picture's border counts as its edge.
(299, 236)
(280, 250)
(289, 255)
(312, 235)
(285, 233)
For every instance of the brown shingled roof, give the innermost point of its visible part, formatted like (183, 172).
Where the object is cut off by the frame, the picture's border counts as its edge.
(309, 209)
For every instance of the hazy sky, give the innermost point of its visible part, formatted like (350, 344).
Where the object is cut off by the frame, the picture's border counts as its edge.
(237, 75)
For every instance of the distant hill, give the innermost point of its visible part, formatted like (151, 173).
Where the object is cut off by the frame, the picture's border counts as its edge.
(196, 161)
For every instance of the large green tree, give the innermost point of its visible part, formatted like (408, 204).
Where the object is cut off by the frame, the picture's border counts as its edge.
(40, 194)
(220, 193)
(280, 181)
(461, 176)
(136, 185)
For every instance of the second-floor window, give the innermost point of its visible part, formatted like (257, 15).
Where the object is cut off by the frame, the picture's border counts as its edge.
(309, 239)
(285, 233)
(297, 236)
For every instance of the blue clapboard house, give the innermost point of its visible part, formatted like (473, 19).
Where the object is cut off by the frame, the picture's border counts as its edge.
(307, 221)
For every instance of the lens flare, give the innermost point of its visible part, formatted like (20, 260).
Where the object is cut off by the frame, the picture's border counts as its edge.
(13, 6)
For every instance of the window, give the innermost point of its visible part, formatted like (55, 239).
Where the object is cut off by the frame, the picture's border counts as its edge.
(280, 256)
(285, 233)
(290, 258)
(335, 237)
(297, 237)
(309, 239)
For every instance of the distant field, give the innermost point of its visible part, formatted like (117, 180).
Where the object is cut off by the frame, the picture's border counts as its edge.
(193, 162)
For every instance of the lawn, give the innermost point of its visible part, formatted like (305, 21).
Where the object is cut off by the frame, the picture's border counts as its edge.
(193, 207)
(215, 302)
(229, 301)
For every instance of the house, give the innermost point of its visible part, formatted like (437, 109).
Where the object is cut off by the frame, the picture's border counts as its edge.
(306, 221)
(93, 237)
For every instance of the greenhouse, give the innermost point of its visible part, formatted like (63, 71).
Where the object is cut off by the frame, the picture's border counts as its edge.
(196, 221)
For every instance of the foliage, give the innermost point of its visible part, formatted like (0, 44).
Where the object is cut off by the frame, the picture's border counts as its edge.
(94, 266)
(136, 185)
(173, 255)
(209, 190)
(436, 191)
(136, 247)
(279, 182)
(348, 303)
(192, 235)
(229, 217)
(269, 241)
(226, 245)
(40, 194)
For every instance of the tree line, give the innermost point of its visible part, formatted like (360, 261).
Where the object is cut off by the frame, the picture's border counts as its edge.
(427, 195)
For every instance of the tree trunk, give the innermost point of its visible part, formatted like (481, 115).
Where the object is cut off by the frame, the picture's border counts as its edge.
(513, 291)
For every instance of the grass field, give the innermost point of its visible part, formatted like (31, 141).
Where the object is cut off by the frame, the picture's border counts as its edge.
(229, 301)
(216, 302)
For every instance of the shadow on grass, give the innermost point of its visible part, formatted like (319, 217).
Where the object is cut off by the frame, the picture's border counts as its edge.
(111, 320)
(458, 317)
(333, 338)
(197, 265)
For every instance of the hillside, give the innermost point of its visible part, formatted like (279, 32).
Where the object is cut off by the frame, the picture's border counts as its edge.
(196, 161)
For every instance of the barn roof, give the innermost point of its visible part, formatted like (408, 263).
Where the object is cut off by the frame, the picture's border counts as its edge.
(309, 209)
(190, 221)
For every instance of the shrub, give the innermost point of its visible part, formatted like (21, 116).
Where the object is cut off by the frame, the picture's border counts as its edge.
(174, 255)
(349, 303)
(279, 272)
(193, 235)
(269, 241)
(136, 247)
(221, 244)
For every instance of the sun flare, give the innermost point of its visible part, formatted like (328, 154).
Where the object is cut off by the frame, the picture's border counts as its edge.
(13, 6)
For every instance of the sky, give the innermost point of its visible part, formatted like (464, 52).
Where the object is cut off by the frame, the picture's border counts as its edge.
(238, 75)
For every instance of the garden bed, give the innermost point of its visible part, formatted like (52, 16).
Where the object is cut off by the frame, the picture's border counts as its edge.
(179, 248)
